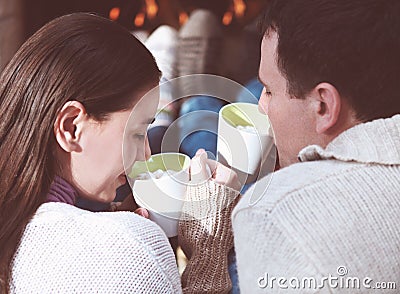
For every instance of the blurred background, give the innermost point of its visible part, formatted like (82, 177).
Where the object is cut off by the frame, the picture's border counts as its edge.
(235, 20)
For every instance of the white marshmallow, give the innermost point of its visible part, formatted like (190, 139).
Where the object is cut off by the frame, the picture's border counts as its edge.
(249, 129)
(158, 174)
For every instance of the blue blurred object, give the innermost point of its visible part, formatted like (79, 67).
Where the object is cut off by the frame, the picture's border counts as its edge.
(255, 88)
(198, 124)
(232, 269)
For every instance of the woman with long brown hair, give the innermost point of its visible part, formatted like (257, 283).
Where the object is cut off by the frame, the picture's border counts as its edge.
(65, 99)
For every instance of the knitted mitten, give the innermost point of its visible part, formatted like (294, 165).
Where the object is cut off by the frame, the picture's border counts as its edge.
(205, 235)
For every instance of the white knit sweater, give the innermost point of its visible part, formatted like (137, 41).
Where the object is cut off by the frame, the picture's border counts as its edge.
(70, 250)
(339, 207)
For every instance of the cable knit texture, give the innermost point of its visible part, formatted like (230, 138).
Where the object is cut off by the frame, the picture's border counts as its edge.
(339, 207)
(69, 250)
(205, 235)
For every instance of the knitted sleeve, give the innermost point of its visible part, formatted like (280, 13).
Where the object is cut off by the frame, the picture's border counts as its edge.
(205, 235)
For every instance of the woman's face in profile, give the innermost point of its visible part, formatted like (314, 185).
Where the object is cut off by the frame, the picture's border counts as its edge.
(106, 147)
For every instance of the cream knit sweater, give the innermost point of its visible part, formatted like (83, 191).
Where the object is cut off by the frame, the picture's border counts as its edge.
(336, 213)
(65, 249)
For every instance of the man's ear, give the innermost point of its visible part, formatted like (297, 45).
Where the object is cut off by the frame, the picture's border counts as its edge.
(68, 126)
(327, 105)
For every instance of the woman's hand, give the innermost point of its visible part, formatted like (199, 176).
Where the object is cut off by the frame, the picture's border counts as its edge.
(203, 169)
(143, 212)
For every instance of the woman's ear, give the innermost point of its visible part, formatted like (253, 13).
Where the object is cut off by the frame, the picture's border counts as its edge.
(327, 105)
(68, 126)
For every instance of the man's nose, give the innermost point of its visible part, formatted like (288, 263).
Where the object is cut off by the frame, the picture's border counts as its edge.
(263, 103)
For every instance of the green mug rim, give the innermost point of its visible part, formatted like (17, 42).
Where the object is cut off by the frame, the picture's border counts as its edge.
(156, 162)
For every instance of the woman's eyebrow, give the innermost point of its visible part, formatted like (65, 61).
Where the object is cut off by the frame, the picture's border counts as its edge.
(149, 121)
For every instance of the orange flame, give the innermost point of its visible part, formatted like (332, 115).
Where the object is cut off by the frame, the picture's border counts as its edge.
(114, 13)
(139, 19)
(239, 7)
(227, 19)
(183, 17)
(151, 8)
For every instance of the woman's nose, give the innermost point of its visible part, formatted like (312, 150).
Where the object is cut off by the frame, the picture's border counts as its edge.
(147, 150)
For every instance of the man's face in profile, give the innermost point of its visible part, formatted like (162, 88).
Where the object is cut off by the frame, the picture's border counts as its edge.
(291, 118)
